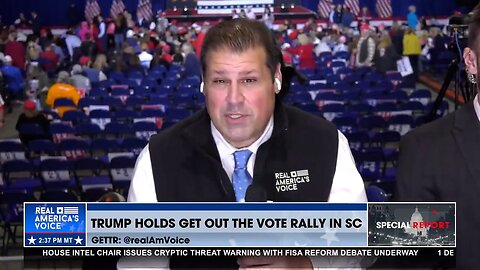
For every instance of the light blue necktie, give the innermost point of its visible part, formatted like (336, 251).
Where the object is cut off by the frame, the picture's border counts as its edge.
(241, 179)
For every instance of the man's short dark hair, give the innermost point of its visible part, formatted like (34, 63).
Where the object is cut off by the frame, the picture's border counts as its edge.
(474, 29)
(239, 35)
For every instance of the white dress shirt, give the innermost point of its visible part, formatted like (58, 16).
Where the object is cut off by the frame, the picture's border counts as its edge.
(476, 106)
(347, 186)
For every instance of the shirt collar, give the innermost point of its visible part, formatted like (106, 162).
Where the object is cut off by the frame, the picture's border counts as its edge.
(476, 106)
(226, 149)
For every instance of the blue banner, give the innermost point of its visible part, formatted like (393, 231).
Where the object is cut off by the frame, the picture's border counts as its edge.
(55, 224)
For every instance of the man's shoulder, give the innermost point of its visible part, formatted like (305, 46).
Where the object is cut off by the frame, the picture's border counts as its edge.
(434, 131)
(173, 134)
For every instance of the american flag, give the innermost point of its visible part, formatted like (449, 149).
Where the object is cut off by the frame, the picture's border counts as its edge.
(384, 8)
(353, 5)
(324, 8)
(116, 8)
(92, 9)
(144, 9)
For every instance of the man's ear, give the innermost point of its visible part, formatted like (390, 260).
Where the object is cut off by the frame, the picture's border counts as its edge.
(470, 59)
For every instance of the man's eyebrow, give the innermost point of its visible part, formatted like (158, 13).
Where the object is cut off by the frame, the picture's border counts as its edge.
(243, 73)
(218, 72)
(248, 72)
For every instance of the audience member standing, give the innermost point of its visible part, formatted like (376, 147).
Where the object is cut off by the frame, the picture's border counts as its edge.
(268, 17)
(84, 30)
(72, 41)
(337, 14)
(16, 50)
(145, 57)
(102, 34)
(15, 84)
(365, 15)
(191, 62)
(88, 46)
(120, 29)
(197, 43)
(49, 59)
(412, 49)
(365, 48)
(35, 23)
(412, 18)
(385, 56)
(396, 34)
(347, 17)
(304, 52)
(110, 34)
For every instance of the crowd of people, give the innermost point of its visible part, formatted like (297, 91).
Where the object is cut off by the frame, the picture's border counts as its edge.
(90, 50)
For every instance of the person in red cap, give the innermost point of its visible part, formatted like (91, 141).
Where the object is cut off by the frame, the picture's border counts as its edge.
(49, 59)
(32, 116)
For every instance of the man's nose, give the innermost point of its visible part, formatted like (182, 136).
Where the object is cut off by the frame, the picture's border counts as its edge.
(235, 93)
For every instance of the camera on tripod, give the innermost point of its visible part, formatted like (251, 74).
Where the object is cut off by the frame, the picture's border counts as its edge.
(458, 25)
(457, 29)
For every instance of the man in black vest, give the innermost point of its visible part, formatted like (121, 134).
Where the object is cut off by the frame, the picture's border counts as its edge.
(197, 159)
(440, 161)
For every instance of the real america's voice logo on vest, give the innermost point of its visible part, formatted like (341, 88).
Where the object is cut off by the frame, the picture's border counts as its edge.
(288, 181)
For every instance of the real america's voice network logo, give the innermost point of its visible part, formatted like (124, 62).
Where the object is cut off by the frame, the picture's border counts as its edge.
(54, 224)
(288, 181)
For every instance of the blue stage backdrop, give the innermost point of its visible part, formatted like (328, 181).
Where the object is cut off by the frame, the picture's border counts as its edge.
(56, 12)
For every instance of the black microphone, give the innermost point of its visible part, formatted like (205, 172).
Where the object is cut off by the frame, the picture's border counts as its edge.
(255, 193)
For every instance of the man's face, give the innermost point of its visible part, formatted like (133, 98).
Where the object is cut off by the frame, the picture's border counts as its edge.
(240, 94)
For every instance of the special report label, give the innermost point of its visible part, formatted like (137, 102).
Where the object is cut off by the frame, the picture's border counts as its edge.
(226, 225)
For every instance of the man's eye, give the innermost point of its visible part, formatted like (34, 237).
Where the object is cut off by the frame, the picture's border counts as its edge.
(249, 80)
(218, 81)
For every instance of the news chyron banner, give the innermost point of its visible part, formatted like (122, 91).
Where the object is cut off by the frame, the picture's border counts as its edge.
(423, 232)
(193, 225)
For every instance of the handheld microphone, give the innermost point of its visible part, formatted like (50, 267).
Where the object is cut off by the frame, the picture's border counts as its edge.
(255, 193)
